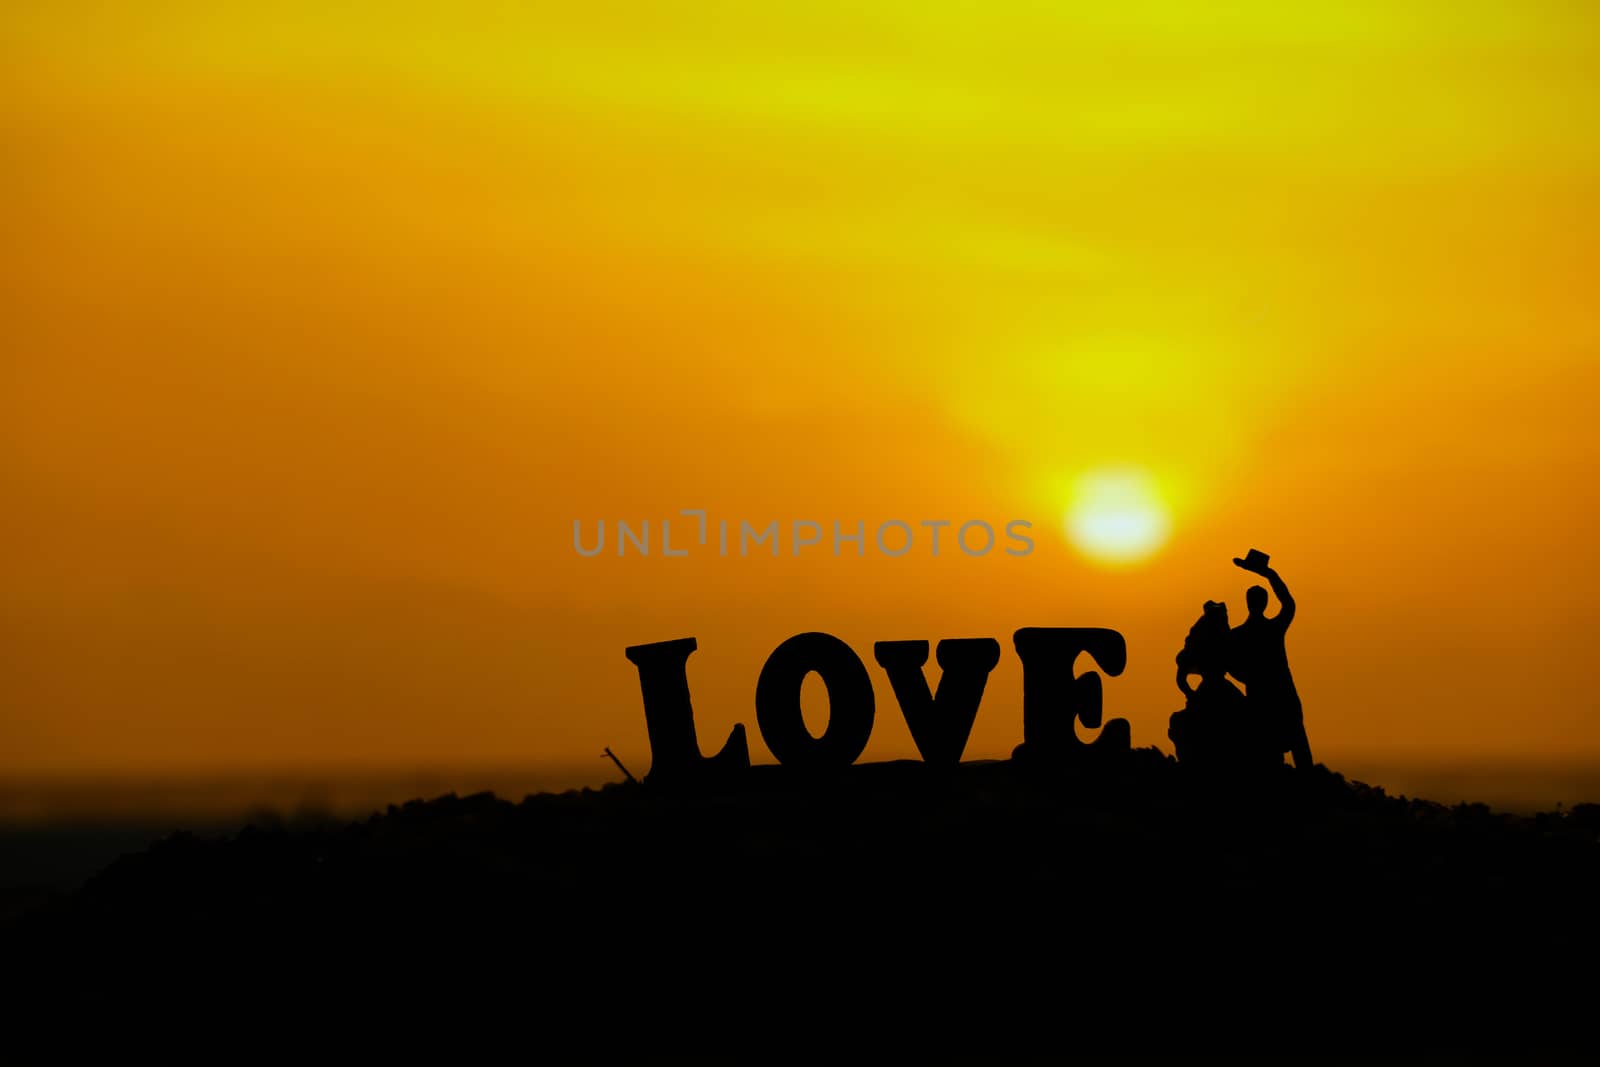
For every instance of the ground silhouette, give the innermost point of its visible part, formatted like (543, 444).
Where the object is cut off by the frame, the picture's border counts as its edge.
(992, 911)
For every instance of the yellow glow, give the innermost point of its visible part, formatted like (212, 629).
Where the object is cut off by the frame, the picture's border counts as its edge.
(1117, 517)
(324, 322)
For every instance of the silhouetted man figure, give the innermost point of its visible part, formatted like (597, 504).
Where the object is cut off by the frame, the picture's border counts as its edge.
(1258, 658)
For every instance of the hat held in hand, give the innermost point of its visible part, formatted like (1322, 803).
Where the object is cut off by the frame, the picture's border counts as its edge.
(1254, 560)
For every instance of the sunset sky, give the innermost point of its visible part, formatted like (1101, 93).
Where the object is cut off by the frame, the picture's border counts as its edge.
(323, 323)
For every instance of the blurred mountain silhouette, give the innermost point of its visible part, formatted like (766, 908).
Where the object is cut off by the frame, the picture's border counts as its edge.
(895, 911)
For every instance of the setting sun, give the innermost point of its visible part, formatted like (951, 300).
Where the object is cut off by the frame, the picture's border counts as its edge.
(1117, 517)
(323, 329)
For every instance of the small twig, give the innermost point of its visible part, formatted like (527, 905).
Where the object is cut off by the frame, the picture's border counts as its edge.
(620, 767)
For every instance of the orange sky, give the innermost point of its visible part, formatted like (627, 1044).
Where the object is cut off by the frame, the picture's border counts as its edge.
(322, 329)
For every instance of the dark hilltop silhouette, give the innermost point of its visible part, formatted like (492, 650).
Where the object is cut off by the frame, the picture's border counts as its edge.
(1076, 901)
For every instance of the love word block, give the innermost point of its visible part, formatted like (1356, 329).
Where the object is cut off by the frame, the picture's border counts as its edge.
(940, 720)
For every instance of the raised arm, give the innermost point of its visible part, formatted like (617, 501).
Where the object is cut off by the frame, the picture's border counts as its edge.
(1286, 611)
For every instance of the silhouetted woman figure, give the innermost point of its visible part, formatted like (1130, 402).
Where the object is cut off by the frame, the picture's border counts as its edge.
(1217, 728)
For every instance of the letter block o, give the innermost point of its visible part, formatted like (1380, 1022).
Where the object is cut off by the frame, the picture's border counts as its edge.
(850, 703)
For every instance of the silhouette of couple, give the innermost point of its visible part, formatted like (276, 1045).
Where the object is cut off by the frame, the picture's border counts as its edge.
(1221, 727)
